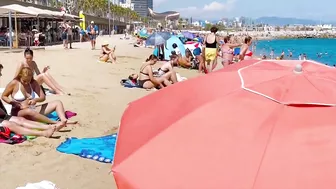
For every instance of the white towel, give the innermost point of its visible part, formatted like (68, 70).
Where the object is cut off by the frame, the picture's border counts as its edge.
(180, 78)
(40, 185)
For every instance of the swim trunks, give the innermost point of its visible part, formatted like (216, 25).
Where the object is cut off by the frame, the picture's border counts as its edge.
(93, 37)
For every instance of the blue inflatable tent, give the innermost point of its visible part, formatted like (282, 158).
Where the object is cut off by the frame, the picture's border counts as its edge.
(168, 47)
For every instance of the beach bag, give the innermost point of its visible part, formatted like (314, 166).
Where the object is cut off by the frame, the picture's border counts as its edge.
(128, 83)
(4, 133)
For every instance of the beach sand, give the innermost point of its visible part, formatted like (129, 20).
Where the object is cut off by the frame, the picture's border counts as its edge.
(97, 97)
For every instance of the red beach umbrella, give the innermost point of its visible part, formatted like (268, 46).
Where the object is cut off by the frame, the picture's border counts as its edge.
(252, 125)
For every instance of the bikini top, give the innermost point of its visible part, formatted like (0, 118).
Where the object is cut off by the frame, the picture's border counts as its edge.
(229, 51)
(141, 71)
(249, 53)
(19, 96)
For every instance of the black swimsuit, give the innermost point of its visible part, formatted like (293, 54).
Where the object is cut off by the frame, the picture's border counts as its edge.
(142, 82)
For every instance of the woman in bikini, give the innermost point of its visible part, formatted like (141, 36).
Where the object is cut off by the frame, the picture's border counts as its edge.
(41, 78)
(23, 93)
(107, 53)
(22, 126)
(146, 76)
(245, 53)
(228, 51)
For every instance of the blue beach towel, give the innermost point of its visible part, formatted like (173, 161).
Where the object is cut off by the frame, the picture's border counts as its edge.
(129, 84)
(100, 149)
(53, 116)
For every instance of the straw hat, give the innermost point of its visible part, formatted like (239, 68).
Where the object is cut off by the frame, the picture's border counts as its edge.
(105, 43)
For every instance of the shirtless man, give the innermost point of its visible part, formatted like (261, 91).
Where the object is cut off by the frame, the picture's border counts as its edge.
(92, 30)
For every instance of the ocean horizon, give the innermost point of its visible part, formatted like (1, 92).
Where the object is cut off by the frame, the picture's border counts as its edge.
(320, 50)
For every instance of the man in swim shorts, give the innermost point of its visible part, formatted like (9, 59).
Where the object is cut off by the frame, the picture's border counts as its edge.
(92, 30)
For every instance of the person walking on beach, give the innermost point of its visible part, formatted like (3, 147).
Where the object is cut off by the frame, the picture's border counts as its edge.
(245, 52)
(228, 51)
(64, 28)
(92, 30)
(210, 51)
(69, 29)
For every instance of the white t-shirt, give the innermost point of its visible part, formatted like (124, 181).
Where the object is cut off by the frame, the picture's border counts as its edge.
(177, 50)
(69, 29)
(165, 67)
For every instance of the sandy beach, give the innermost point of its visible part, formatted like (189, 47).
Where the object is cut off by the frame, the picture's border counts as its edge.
(97, 97)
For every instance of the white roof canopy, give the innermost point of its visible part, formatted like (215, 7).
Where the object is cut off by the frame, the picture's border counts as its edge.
(23, 11)
(18, 9)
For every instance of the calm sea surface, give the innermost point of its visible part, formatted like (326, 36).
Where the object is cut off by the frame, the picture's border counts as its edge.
(321, 50)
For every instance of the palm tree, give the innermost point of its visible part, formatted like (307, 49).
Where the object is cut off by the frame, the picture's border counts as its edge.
(100, 8)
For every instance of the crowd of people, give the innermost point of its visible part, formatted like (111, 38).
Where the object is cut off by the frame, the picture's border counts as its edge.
(204, 58)
(26, 96)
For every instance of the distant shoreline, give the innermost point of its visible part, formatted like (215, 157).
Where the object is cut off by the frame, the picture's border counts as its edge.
(269, 35)
(291, 37)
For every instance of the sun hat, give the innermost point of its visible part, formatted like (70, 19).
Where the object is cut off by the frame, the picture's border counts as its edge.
(92, 22)
(105, 43)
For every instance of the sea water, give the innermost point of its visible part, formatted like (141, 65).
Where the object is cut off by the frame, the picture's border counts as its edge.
(320, 50)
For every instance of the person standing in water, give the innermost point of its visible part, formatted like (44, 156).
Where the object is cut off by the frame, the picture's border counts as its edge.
(210, 52)
(92, 30)
(272, 54)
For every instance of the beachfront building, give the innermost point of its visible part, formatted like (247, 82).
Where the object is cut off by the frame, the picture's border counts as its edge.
(100, 20)
(141, 6)
(127, 4)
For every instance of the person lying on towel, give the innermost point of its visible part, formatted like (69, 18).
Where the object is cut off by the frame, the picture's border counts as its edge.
(186, 61)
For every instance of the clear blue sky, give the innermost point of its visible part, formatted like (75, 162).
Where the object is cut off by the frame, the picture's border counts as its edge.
(212, 9)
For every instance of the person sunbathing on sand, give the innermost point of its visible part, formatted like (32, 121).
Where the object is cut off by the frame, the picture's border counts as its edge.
(185, 62)
(107, 53)
(41, 78)
(25, 92)
(146, 76)
(22, 126)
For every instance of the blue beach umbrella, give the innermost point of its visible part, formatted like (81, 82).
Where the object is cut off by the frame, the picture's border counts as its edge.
(158, 38)
(188, 35)
(180, 35)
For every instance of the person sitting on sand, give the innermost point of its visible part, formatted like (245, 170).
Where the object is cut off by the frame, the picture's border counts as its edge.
(168, 67)
(23, 93)
(185, 61)
(41, 78)
(107, 53)
(146, 76)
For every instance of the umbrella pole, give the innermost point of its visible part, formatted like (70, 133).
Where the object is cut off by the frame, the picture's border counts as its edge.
(16, 32)
(10, 30)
